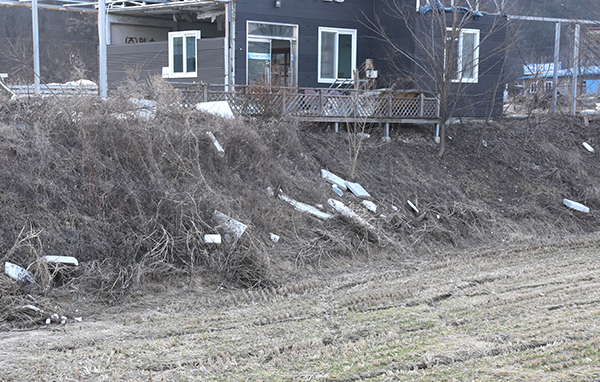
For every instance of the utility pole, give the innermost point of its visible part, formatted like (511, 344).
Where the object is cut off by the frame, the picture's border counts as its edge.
(575, 69)
(102, 47)
(555, 69)
(36, 47)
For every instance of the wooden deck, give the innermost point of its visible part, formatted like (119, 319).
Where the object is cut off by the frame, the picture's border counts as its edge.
(324, 105)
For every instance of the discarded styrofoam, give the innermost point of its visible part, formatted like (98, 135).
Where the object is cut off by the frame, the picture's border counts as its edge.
(337, 190)
(412, 206)
(274, 238)
(230, 225)
(588, 147)
(220, 150)
(303, 207)
(212, 239)
(576, 206)
(370, 206)
(358, 190)
(334, 179)
(220, 108)
(67, 260)
(18, 273)
(78, 319)
(349, 213)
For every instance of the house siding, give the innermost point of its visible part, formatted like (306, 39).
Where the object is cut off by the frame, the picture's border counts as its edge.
(481, 99)
(148, 59)
(309, 15)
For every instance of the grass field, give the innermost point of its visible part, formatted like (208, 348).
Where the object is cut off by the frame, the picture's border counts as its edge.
(523, 313)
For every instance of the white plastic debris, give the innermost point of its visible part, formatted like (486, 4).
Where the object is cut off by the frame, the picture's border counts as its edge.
(334, 179)
(270, 191)
(220, 108)
(218, 147)
(337, 190)
(363, 135)
(34, 308)
(78, 319)
(395, 208)
(63, 320)
(17, 273)
(67, 260)
(370, 206)
(412, 206)
(576, 206)
(48, 321)
(212, 239)
(349, 214)
(303, 207)
(358, 190)
(274, 238)
(588, 147)
(230, 225)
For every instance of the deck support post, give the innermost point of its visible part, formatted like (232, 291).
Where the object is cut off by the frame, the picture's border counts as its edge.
(436, 134)
(386, 132)
(337, 127)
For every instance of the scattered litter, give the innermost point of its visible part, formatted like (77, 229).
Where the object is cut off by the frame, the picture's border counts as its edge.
(54, 318)
(220, 150)
(220, 108)
(230, 225)
(67, 260)
(270, 191)
(337, 190)
(395, 208)
(349, 214)
(363, 135)
(576, 206)
(303, 207)
(212, 239)
(370, 206)
(274, 238)
(17, 273)
(63, 320)
(588, 147)
(48, 321)
(413, 206)
(78, 319)
(334, 179)
(358, 190)
(34, 308)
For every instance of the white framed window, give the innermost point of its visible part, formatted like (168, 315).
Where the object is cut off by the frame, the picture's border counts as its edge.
(337, 54)
(467, 55)
(182, 54)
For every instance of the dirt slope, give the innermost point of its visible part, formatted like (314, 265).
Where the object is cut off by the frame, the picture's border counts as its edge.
(132, 198)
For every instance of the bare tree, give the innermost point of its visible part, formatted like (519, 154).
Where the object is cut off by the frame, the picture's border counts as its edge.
(453, 51)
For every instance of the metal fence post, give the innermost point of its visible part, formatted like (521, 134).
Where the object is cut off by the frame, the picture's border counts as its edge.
(320, 102)
(422, 111)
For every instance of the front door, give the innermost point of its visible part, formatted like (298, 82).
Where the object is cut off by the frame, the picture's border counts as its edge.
(259, 61)
(272, 52)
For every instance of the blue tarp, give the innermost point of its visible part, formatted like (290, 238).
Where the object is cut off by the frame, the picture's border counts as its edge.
(440, 8)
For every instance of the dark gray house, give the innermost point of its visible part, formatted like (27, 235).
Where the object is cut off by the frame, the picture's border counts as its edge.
(302, 43)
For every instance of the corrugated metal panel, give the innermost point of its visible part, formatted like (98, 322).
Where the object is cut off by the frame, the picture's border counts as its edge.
(150, 58)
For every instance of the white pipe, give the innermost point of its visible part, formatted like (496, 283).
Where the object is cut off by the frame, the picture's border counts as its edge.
(555, 69)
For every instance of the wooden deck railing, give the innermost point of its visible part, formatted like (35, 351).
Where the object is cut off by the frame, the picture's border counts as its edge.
(324, 105)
